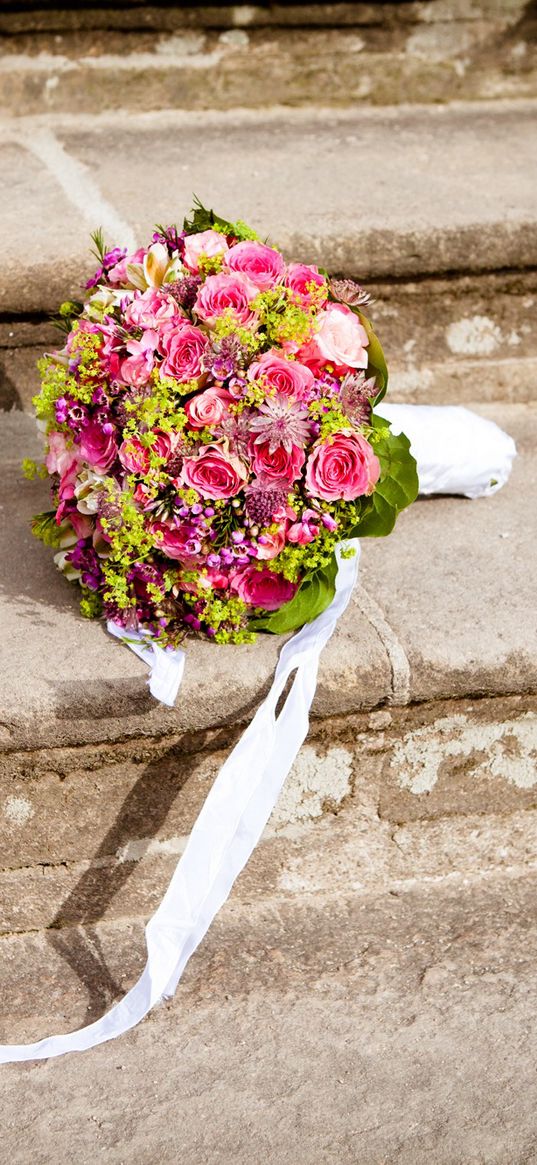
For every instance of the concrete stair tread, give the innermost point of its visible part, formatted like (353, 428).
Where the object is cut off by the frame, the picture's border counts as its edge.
(442, 611)
(377, 193)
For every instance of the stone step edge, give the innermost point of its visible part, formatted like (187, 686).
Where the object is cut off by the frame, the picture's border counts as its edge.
(59, 980)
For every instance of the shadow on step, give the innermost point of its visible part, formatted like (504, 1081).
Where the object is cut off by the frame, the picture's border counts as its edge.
(142, 815)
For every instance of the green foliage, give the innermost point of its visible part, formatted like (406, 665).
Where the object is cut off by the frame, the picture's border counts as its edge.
(312, 597)
(202, 219)
(31, 469)
(44, 527)
(397, 487)
(376, 365)
(91, 606)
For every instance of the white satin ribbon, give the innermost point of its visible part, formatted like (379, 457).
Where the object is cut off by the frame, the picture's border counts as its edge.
(166, 666)
(224, 835)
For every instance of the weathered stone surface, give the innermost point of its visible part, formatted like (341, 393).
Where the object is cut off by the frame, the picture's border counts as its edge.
(347, 1031)
(451, 193)
(33, 204)
(456, 584)
(386, 53)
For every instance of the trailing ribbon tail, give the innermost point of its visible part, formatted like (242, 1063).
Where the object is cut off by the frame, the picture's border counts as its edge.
(225, 834)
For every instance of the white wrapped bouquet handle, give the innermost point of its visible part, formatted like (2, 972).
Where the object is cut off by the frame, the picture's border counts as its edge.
(457, 451)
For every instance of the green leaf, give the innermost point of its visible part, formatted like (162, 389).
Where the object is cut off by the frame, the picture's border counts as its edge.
(44, 527)
(398, 484)
(312, 597)
(376, 363)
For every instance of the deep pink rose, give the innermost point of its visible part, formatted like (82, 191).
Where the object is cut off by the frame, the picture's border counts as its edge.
(341, 339)
(134, 456)
(263, 265)
(208, 243)
(222, 293)
(208, 408)
(285, 376)
(98, 448)
(262, 588)
(183, 349)
(305, 282)
(213, 474)
(344, 468)
(180, 542)
(280, 465)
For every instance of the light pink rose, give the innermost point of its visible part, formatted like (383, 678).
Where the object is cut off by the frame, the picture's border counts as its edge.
(151, 309)
(272, 544)
(344, 468)
(263, 265)
(98, 448)
(134, 456)
(209, 243)
(285, 376)
(280, 465)
(179, 542)
(262, 588)
(213, 474)
(222, 293)
(183, 349)
(341, 339)
(208, 408)
(304, 282)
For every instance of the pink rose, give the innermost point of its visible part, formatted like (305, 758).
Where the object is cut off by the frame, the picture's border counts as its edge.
(180, 542)
(134, 456)
(341, 338)
(166, 445)
(183, 348)
(213, 474)
(280, 465)
(151, 310)
(98, 448)
(272, 544)
(285, 376)
(208, 408)
(263, 265)
(262, 588)
(344, 468)
(208, 243)
(222, 293)
(305, 282)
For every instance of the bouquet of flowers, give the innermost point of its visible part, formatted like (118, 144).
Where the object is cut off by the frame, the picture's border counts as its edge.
(211, 436)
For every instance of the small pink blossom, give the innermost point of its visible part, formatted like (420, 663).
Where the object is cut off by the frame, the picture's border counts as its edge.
(272, 544)
(180, 542)
(209, 243)
(305, 530)
(263, 265)
(117, 275)
(262, 588)
(222, 293)
(213, 474)
(342, 469)
(208, 408)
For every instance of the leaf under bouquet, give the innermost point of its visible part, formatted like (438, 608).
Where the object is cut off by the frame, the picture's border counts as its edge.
(211, 436)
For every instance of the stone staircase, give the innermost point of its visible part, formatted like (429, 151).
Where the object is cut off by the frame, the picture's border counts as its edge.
(395, 882)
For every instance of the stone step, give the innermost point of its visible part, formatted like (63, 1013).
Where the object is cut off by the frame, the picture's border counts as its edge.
(144, 58)
(447, 241)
